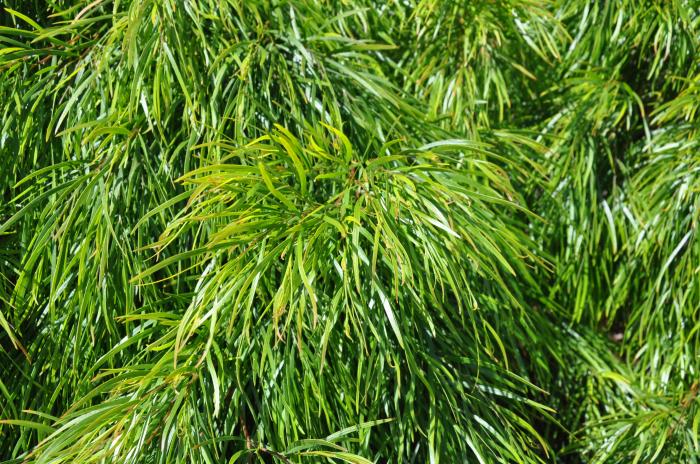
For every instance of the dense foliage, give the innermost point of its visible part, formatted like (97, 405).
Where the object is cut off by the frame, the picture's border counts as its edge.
(350, 230)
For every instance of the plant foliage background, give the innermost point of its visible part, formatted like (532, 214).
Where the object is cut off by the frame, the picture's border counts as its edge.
(349, 230)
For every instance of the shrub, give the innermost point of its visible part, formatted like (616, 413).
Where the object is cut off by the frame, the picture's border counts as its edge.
(349, 230)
